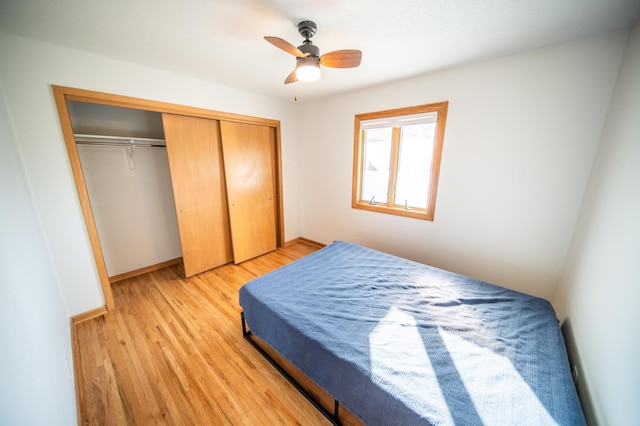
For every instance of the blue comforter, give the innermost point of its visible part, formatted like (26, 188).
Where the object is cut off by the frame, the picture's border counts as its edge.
(398, 342)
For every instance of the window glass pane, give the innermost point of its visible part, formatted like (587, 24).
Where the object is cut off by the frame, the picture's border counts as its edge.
(377, 158)
(414, 164)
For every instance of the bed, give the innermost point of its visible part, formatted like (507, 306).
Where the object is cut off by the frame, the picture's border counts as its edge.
(399, 342)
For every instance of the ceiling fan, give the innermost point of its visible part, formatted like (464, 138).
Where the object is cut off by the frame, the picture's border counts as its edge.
(308, 58)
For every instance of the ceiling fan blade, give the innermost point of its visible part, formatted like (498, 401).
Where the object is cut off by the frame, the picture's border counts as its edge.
(291, 78)
(341, 59)
(285, 45)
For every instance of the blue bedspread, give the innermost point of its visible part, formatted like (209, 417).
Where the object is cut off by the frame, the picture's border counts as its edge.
(398, 342)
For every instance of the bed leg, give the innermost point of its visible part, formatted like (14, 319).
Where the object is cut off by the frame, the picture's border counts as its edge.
(244, 325)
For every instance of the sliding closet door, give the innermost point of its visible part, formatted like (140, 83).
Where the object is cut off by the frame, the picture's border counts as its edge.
(249, 161)
(195, 163)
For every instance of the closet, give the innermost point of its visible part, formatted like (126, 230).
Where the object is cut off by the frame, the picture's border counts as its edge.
(161, 183)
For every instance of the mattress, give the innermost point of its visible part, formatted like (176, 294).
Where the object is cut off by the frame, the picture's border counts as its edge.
(399, 342)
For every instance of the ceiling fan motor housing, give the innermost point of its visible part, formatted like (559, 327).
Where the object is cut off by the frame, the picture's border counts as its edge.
(310, 50)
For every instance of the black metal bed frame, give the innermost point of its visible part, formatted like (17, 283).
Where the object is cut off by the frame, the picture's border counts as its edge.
(332, 417)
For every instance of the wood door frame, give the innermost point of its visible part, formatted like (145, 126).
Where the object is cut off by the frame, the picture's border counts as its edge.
(63, 94)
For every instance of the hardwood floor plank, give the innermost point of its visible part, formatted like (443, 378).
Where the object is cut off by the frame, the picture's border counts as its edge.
(173, 353)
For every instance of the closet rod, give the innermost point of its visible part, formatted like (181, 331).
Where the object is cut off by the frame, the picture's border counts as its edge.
(131, 145)
(118, 140)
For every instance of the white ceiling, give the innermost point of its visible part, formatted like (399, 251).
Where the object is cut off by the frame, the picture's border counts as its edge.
(222, 40)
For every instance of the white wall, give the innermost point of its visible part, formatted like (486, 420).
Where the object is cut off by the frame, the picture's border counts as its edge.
(600, 286)
(521, 135)
(131, 195)
(134, 209)
(36, 388)
(29, 68)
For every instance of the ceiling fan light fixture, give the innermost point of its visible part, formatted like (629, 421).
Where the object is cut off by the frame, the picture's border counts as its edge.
(308, 69)
(308, 57)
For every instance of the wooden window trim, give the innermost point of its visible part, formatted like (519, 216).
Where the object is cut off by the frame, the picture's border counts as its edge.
(358, 158)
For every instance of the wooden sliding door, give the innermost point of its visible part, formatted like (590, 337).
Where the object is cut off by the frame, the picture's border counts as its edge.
(249, 163)
(195, 163)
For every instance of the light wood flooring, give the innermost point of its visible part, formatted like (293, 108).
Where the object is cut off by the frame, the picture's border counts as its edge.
(173, 353)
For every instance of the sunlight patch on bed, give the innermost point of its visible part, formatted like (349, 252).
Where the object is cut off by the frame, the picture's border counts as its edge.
(400, 364)
(495, 382)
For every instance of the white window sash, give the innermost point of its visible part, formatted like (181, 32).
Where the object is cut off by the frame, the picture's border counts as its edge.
(399, 121)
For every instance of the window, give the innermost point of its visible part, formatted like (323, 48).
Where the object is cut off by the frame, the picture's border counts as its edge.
(397, 160)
